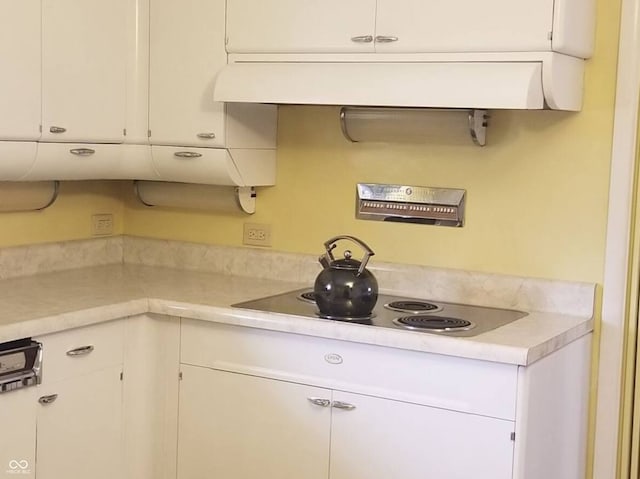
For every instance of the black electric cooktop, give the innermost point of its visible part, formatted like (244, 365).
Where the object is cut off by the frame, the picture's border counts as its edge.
(397, 312)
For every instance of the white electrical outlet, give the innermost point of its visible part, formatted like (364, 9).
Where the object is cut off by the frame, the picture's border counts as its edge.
(257, 234)
(102, 224)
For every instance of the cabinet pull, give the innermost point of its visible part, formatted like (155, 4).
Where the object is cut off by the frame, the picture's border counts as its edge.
(187, 154)
(343, 405)
(57, 129)
(48, 399)
(206, 136)
(362, 39)
(82, 151)
(82, 351)
(320, 402)
(386, 39)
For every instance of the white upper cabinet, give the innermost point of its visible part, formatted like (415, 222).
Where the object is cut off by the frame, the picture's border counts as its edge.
(84, 62)
(463, 25)
(288, 26)
(20, 67)
(411, 26)
(187, 51)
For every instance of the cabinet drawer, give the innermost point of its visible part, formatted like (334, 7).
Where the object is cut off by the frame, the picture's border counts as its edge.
(79, 351)
(196, 165)
(447, 382)
(62, 161)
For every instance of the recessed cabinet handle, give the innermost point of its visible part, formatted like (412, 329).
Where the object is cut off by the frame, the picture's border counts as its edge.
(57, 129)
(386, 39)
(343, 405)
(320, 402)
(187, 154)
(44, 400)
(82, 151)
(82, 351)
(206, 136)
(362, 39)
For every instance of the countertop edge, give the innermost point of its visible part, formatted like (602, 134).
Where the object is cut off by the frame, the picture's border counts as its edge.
(397, 339)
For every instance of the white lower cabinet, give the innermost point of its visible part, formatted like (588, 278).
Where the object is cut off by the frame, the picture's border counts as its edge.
(201, 399)
(80, 427)
(18, 433)
(381, 438)
(79, 404)
(257, 403)
(242, 426)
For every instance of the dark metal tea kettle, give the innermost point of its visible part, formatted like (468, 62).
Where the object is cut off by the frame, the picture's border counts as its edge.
(345, 289)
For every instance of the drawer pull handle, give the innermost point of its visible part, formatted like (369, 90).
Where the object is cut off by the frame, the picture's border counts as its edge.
(187, 154)
(362, 39)
(82, 351)
(320, 402)
(343, 405)
(386, 39)
(57, 129)
(44, 400)
(206, 136)
(82, 151)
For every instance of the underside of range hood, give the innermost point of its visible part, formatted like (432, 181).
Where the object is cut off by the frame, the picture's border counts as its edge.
(507, 81)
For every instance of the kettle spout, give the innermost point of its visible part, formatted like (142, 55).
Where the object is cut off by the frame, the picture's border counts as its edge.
(324, 261)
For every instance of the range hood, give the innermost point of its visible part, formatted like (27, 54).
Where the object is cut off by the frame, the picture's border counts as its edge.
(488, 81)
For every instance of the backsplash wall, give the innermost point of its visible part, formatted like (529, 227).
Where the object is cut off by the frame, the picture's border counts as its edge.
(69, 218)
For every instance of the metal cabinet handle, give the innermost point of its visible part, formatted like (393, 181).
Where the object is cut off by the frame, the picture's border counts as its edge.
(82, 151)
(386, 39)
(82, 351)
(187, 154)
(343, 405)
(57, 129)
(362, 39)
(206, 136)
(320, 402)
(48, 399)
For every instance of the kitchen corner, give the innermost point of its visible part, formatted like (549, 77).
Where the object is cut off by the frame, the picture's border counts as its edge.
(163, 347)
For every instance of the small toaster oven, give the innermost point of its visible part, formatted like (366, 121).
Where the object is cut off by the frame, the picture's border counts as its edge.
(20, 364)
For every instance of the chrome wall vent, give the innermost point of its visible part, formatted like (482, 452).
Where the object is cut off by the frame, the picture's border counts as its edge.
(410, 204)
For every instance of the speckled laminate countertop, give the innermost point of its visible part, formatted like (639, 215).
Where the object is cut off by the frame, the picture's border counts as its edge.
(51, 302)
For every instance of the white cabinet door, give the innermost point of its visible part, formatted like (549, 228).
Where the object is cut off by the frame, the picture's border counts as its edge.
(284, 26)
(187, 51)
(80, 430)
(18, 436)
(20, 67)
(380, 438)
(84, 70)
(464, 25)
(244, 427)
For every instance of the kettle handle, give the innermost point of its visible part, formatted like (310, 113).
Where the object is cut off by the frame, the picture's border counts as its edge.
(368, 252)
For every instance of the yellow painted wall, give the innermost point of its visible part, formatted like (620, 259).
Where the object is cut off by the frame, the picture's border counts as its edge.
(537, 194)
(69, 218)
